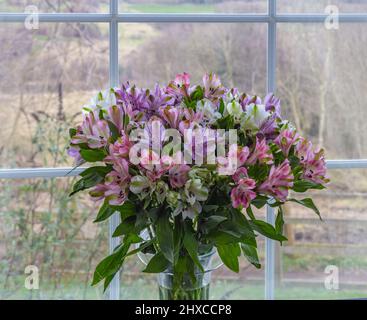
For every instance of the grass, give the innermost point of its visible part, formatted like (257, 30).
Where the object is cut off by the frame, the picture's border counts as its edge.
(142, 289)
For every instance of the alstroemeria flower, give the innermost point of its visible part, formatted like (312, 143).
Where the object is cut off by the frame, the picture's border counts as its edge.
(120, 149)
(178, 175)
(209, 110)
(272, 103)
(74, 152)
(155, 165)
(195, 191)
(241, 173)
(235, 109)
(243, 193)
(279, 181)
(180, 87)
(213, 89)
(304, 150)
(120, 174)
(172, 116)
(115, 195)
(261, 153)
(140, 185)
(254, 117)
(286, 139)
(315, 168)
(102, 101)
(100, 135)
(116, 116)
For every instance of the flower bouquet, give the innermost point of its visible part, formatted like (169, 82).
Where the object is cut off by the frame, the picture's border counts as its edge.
(184, 166)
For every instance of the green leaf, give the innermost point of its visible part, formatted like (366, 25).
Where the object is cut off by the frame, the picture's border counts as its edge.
(267, 230)
(90, 178)
(304, 185)
(211, 223)
(114, 131)
(250, 253)
(191, 244)
(279, 221)
(165, 238)
(259, 201)
(308, 203)
(93, 155)
(105, 212)
(141, 248)
(126, 210)
(125, 227)
(157, 264)
(72, 132)
(229, 254)
(111, 264)
(99, 170)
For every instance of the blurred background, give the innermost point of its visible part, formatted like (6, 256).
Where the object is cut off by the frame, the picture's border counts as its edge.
(47, 75)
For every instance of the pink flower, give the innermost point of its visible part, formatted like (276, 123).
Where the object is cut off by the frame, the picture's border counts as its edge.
(180, 87)
(213, 88)
(241, 173)
(154, 165)
(100, 135)
(243, 193)
(315, 168)
(286, 139)
(178, 175)
(172, 115)
(304, 150)
(116, 115)
(279, 181)
(182, 79)
(116, 195)
(120, 149)
(313, 162)
(120, 173)
(261, 153)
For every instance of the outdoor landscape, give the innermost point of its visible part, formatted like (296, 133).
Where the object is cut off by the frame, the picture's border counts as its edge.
(48, 74)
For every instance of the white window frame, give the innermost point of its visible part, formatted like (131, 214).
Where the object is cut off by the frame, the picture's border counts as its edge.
(114, 18)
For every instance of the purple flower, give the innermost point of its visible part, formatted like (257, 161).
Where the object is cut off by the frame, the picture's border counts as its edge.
(272, 103)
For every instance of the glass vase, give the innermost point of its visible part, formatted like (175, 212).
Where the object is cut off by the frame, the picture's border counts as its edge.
(184, 287)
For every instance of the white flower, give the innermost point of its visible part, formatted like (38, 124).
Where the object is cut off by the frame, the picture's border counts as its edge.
(234, 109)
(209, 110)
(255, 115)
(195, 191)
(102, 101)
(139, 184)
(192, 211)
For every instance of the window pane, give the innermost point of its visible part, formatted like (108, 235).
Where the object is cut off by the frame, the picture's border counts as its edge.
(54, 6)
(225, 285)
(193, 6)
(315, 248)
(46, 76)
(321, 79)
(41, 225)
(319, 6)
(157, 52)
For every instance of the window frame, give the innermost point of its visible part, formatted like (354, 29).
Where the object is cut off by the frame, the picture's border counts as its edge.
(114, 18)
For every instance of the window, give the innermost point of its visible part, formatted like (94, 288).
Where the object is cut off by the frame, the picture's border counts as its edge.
(47, 73)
